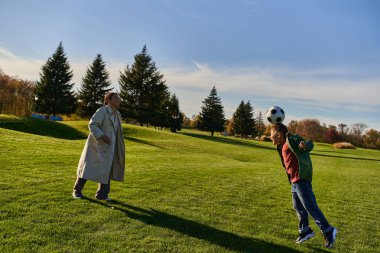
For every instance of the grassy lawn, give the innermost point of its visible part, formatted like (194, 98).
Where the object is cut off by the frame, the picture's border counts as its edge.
(184, 192)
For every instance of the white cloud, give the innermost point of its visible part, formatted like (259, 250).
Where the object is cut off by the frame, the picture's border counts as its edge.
(305, 87)
(26, 69)
(30, 68)
(7, 54)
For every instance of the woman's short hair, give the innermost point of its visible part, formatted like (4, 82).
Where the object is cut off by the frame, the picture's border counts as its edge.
(108, 96)
(281, 128)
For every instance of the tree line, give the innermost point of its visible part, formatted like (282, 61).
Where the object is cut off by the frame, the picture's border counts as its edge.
(146, 100)
(143, 90)
(243, 124)
(356, 134)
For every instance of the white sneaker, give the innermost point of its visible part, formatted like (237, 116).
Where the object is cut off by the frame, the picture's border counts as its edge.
(76, 196)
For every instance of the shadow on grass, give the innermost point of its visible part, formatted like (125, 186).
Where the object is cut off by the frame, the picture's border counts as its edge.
(42, 127)
(141, 141)
(227, 140)
(347, 157)
(251, 144)
(194, 229)
(333, 151)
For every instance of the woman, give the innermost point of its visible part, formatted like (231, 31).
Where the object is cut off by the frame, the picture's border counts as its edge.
(103, 156)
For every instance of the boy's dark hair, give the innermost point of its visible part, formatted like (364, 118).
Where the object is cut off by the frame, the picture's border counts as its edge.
(108, 96)
(281, 128)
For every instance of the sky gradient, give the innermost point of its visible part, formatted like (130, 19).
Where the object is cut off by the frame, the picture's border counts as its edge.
(315, 59)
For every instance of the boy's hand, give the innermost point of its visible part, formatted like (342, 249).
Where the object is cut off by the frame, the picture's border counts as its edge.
(302, 145)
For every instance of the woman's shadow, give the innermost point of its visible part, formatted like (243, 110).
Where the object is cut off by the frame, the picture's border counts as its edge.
(194, 229)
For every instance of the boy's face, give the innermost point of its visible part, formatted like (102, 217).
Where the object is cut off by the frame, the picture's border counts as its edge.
(277, 137)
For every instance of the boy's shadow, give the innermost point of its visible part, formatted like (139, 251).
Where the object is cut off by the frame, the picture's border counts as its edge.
(194, 229)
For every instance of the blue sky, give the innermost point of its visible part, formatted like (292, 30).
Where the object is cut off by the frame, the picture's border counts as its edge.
(316, 59)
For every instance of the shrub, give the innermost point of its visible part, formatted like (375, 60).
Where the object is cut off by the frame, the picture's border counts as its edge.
(344, 145)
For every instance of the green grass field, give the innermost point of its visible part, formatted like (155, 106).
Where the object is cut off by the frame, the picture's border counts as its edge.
(184, 192)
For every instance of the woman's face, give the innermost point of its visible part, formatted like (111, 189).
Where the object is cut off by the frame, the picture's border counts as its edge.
(115, 101)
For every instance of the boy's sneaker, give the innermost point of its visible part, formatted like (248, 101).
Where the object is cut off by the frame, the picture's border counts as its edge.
(106, 199)
(305, 236)
(77, 196)
(330, 237)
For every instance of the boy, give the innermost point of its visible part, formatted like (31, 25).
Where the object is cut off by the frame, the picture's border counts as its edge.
(295, 157)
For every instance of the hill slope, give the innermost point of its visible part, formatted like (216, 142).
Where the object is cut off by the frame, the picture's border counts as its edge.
(40, 127)
(184, 192)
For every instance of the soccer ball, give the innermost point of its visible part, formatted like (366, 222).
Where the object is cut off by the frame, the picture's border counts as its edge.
(275, 115)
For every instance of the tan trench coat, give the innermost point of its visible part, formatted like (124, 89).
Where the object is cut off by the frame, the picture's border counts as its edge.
(98, 157)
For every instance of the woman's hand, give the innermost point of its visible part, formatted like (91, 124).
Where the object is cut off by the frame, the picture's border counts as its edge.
(106, 139)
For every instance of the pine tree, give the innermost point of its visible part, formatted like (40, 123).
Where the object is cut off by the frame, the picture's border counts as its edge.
(238, 119)
(260, 126)
(95, 85)
(175, 115)
(212, 115)
(161, 116)
(54, 93)
(243, 121)
(143, 90)
(250, 123)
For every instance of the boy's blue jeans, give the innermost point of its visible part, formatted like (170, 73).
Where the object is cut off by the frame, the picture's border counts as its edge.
(304, 203)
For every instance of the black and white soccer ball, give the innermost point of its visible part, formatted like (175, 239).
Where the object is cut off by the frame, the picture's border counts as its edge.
(275, 115)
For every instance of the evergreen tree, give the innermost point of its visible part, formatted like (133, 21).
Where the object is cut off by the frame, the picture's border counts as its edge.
(238, 119)
(54, 93)
(143, 90)
(243, 121)
(175, 115)
(212, 115)
(250, 126)
(161, 115)
(95, 85)
(260, 126)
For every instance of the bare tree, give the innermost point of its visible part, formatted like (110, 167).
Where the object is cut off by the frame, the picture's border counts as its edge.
(358, 128)
(343, 130)
(16, 95)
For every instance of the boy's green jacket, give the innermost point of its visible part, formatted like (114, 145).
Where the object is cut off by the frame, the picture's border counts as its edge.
(303, 156)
